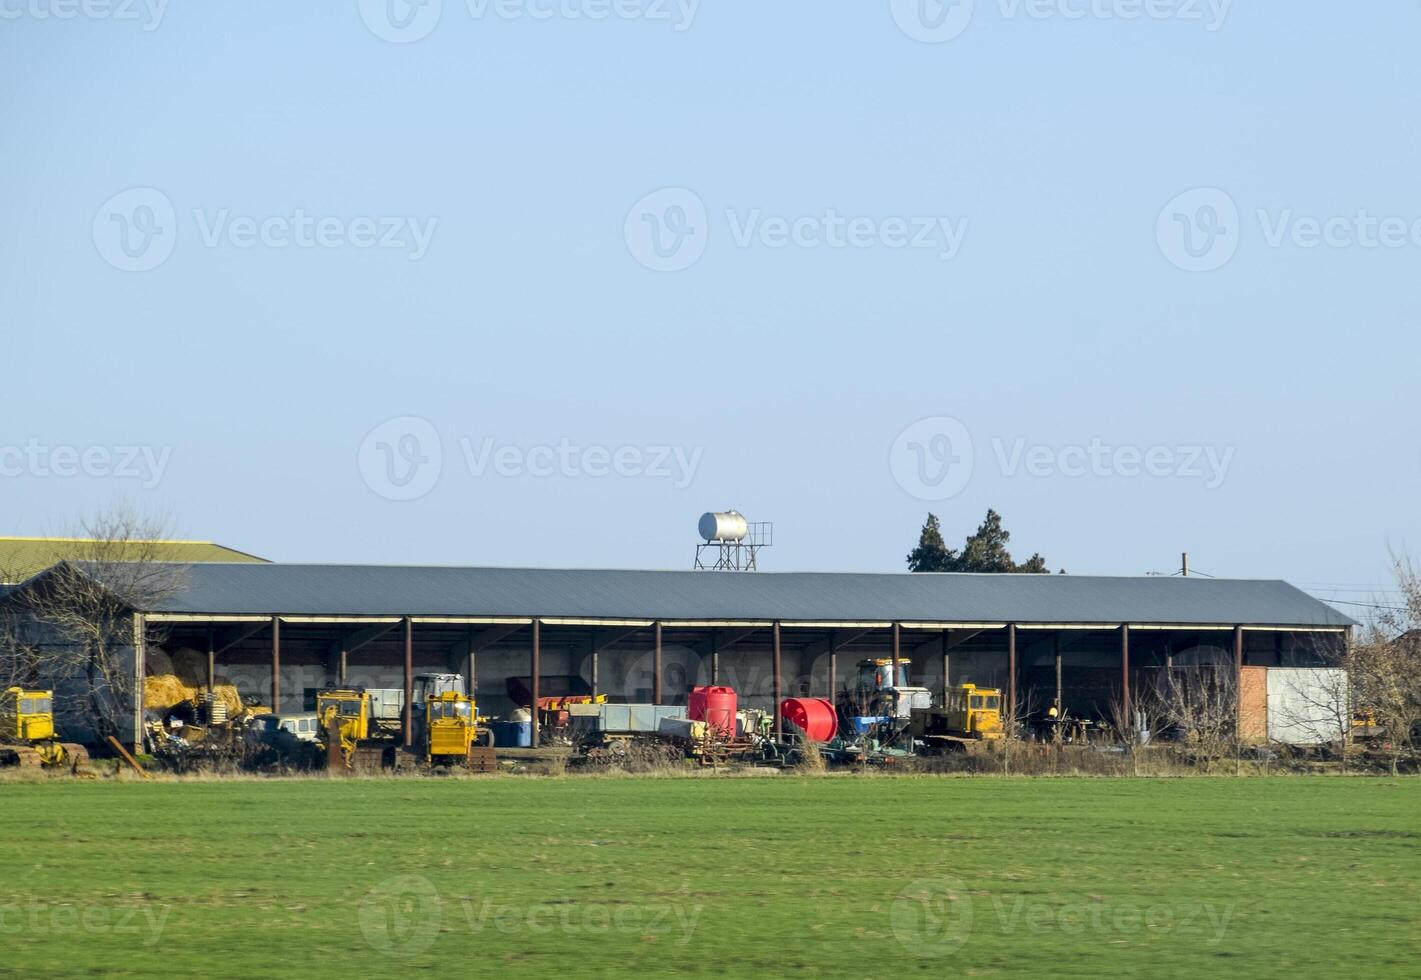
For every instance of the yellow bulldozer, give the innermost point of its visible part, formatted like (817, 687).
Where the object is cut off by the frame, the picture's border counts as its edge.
(27, 736)
(350, 739)
(450, 731)
(970, 714)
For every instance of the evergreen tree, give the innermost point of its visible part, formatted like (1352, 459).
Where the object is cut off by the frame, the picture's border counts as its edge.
(932, 553)
(984, 551)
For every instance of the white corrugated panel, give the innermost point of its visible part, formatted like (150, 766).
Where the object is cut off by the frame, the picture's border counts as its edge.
(1306, 705)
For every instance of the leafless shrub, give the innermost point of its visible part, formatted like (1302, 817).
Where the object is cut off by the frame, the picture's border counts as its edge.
(1200, 704)
(1384, 665)
(77, 619)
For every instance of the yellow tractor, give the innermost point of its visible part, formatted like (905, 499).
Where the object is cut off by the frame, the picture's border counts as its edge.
(970, 714)
(27, 725)
(974, 712)
(345, 726)
(450, 731)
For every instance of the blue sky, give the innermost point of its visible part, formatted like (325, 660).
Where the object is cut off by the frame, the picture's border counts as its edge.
(1136, 275)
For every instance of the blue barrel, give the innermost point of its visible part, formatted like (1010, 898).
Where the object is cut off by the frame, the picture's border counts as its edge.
(512, 734)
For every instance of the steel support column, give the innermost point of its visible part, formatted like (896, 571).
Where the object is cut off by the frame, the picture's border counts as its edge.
(1056, 654)
(1126, 707)
(140, 673)
(276, 664)
(946, 664)
(409, 682)
(211, 658)
(1238, 682)
(897, 651)
(779, 722)
(471, 667)
(536, 666)
(833, 664)
(715, 656)
(656, 664)
(1011, 681)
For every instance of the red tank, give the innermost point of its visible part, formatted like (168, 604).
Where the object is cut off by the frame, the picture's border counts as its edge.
(715, 706)
(814, 716)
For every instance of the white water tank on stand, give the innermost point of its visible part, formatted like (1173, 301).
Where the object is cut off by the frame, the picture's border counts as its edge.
(727, 525)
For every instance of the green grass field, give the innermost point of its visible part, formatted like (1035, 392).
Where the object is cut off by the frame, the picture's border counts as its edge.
(832, 876)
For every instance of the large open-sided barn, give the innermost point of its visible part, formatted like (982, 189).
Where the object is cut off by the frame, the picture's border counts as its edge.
(280, 631)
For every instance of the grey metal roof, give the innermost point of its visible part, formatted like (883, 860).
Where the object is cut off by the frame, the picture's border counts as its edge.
(369, 590)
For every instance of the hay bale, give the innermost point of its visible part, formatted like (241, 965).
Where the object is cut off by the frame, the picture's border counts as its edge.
(167, 690)
(227, 693)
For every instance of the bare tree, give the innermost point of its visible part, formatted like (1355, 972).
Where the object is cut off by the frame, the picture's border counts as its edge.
(82, 610)
(1384, 665)
(1201, 703)
(1146, 719)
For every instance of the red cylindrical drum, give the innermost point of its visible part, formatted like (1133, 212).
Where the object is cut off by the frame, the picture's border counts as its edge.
(715, 706)
(814, 716)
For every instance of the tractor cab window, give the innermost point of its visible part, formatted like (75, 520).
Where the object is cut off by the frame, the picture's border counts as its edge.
(985, 702)
(43, 706)
(350, 709)
(27, 706)
(461, 710)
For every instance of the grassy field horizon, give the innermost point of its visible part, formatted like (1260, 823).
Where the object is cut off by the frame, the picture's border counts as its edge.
(786, 875)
